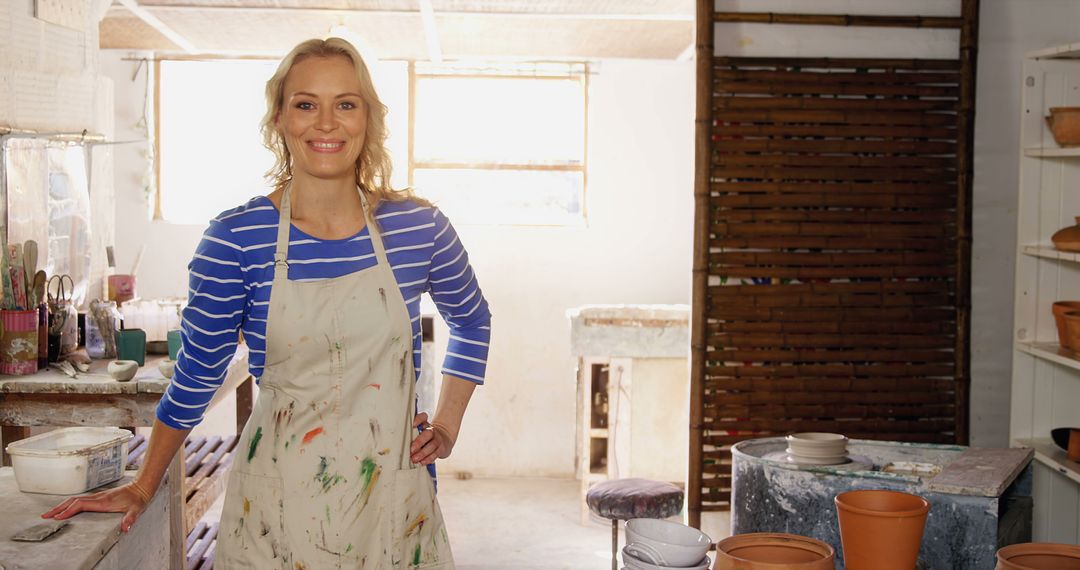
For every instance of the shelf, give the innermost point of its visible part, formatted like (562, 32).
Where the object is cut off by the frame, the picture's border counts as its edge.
(1067, 51)
(1051, 351)
(599, 433)
(1052, 456)
(1052, 152)
(1049, 252)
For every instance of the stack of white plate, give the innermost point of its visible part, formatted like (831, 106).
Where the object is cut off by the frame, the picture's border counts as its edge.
(654, 544)
(816, 448)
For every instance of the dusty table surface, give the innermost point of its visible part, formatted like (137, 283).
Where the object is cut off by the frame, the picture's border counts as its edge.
(80, 545)
(96, 381)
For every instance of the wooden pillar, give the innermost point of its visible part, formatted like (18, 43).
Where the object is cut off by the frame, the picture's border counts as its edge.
(11, 434)
(245, 401)
(965, 157)
(702, 168)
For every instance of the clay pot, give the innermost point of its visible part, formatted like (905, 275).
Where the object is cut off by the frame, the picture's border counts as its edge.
(1060, 308)
(1067, 239)
(1068, 439)
(1072, 329)
(1039, 556)
(1064, 123)
(773, 551)
(881, 530)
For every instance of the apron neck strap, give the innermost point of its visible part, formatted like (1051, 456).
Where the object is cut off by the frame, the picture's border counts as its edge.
(281, 251)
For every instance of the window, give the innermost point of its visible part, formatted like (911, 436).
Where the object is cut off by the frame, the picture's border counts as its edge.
(211, 152)
(501, 145)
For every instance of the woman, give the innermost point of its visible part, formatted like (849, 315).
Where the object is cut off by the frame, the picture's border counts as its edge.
(325, 471)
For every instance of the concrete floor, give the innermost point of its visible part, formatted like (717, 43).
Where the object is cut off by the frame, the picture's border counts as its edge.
(524, 524)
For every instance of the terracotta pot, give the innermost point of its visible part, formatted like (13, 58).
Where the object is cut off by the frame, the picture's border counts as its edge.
(773, 551)
(1060, 308)
(1068, 439)
(1067, 239)
(1072, 330)
(1039, 556)
(881, 530)
(1064, 123)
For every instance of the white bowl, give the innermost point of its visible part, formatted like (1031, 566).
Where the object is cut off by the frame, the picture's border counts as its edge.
(632, 563)
(679, 545)
(123, 370)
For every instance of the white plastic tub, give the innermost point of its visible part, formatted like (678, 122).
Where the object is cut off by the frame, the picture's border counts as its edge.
(68, 461)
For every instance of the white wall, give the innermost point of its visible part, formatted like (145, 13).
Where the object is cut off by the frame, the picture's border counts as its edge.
(636, 248)
(1008, 28)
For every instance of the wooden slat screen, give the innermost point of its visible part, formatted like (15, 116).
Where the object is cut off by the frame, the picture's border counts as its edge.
(835, 276)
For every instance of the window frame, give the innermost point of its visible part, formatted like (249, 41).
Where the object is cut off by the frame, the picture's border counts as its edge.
(576, 71)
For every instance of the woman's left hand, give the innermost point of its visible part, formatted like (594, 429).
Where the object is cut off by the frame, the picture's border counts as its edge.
(435, 442)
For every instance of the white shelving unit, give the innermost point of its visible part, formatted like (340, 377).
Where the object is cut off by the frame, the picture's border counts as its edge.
(1046, 377)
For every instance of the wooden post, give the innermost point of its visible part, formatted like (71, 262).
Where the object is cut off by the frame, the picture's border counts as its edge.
(702, 174)
(177, 540)
(965, 157)
(11, 434)
(245, 401)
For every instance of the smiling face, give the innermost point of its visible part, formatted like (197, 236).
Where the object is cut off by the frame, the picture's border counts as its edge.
(323, 118)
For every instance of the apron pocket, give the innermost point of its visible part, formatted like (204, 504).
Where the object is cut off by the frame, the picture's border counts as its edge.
(418, 535)
(252, 533)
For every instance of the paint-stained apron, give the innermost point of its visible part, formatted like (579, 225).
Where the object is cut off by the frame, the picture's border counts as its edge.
(322, 477)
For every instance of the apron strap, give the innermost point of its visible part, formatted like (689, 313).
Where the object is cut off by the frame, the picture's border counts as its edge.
(281, 250)
(405, 459)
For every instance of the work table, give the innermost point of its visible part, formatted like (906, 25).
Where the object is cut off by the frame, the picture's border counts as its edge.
(89, 541)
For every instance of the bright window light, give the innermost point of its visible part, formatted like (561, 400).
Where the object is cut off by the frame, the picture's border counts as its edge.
(212, 156)
(501, 146)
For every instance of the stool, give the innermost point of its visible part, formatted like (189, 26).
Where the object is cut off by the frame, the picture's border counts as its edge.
(625, 499)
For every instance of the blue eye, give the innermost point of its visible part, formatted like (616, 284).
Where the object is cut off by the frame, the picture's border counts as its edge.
(304, 105)
(348, 105)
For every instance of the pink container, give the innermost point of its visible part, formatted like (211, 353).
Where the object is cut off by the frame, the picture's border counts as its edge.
(121, 288)
(19, 342)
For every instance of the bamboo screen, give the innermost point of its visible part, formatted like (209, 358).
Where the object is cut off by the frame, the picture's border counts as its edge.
(832, 253)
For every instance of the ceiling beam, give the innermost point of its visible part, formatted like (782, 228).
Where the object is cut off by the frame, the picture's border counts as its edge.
(487, 14)
(158, 25)
(431, 31)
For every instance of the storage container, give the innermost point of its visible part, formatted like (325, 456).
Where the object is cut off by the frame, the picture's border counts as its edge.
(71, 460)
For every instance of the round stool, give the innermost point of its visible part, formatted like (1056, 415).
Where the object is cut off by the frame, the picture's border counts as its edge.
(625, 499)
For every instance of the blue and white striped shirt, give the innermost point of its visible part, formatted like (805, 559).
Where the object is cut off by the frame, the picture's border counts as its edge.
(232, 271)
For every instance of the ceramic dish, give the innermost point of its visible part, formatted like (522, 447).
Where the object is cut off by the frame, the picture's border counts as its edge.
(631, 563)
(672, 544)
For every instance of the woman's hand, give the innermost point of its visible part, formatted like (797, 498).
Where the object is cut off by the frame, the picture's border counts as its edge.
(435, 442)
(130, 499)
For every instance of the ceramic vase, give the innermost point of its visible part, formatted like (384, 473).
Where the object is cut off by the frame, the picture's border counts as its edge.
(773, 551)
(1067, 239)
(1060, 308)
(1064, 123)
(881, 530)
(1038, 556)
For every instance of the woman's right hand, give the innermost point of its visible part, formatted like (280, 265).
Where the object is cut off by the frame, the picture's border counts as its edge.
(128, 499)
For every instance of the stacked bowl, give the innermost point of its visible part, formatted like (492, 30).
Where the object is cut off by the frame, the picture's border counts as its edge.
(654, 544)
(816, 448)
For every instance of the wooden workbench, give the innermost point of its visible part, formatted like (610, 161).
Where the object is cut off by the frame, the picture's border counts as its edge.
(91, 541)
(51, 398)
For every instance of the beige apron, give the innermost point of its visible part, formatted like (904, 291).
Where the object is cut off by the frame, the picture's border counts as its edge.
(322, 477)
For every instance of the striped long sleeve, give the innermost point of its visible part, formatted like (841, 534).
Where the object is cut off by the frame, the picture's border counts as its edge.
(208, 328)
(459, 300)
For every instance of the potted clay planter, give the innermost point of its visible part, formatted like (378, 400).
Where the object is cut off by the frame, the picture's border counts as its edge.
(1038, 556)
(1060, 308)
(1064, 123)
(773, 551)
(881, 530)
(1067, 239)
(1072, 330)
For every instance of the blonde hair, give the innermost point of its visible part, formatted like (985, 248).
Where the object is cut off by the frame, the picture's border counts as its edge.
(373, 166)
